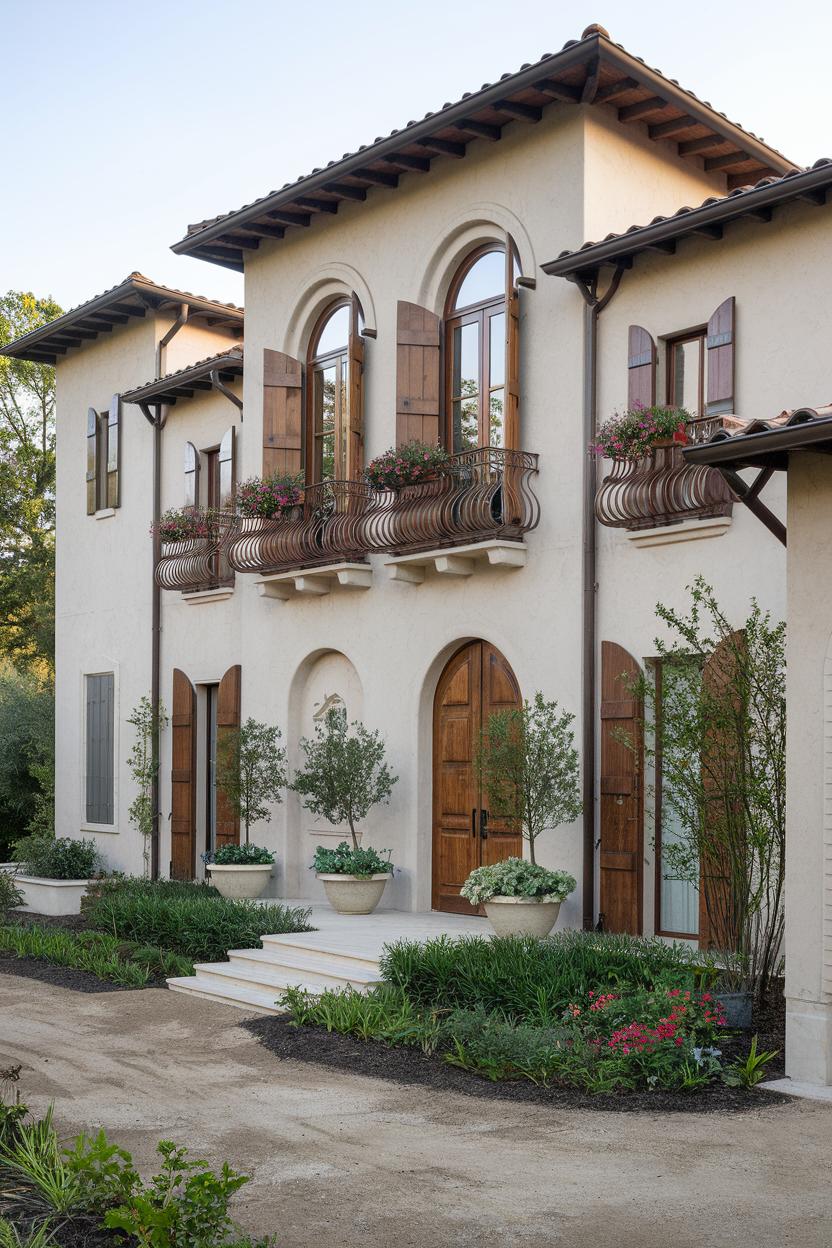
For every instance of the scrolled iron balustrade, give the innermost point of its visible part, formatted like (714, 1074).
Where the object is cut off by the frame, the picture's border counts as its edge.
(660, 489)
(198, 562)
(327, 527)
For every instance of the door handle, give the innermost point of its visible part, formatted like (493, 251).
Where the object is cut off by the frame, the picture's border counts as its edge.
(474, 822)
(484, 824)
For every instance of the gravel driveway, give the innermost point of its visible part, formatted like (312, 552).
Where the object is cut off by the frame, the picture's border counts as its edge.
(346, 1161)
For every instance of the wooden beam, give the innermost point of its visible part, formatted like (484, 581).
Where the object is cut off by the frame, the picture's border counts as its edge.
(290, 218)
(316, 205)
(818, 198)
(724, 162)
(667, 129)
(590, 87)
(759, 214)
(692, 147)
(210, 253)
(107, 318)
(100, 327)
(242, 240)
(358, 193)
(260, 230)
(613, 89)
(482, 129)
(634, 112)
(377, 178)
(129, 309)
(417, 164)
(522, 112)
(444, 146)
(709, 231)
(667, 246)
(40, 357)
(559, 90)
(73, 331)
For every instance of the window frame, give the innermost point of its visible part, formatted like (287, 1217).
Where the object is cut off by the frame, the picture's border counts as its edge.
(698, 334)
(98, 666)
(474, 314)
(316, 364)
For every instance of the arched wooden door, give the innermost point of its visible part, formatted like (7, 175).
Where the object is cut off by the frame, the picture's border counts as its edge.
(476, 682)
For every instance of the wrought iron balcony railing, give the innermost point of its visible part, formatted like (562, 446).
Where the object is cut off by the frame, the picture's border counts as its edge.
(328, 527)
(661, 489)
(197, 563)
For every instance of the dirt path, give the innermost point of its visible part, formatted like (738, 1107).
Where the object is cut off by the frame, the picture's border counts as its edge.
(349, 1162)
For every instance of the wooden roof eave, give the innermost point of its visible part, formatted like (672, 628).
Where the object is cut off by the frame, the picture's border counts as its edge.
(167, 390)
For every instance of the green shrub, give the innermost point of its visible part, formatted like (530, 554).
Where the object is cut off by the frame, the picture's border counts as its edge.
(344, 860)
(189, 919)
(517, 877)
(241, 856)
(10, 894)
(482, 1041)
(383, 1013)
(27, 756)
(95, 952)
(526, 979)
(58, 858)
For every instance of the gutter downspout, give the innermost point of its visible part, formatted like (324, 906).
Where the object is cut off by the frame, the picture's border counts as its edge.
(588, 286)
(158, 421)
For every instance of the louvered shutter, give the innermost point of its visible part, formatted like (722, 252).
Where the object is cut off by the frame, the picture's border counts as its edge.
(720, 345)
(417, 374)
(228, 718)
(191, 468)
(282, 413)
(114, 451)
(355, 392)
(227, 467)
(183, 778)
(641, 368)
(92, 460)
(511, 420)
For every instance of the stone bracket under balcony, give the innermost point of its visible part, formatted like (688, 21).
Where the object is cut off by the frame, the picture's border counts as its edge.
(315, 582)
(457, 561)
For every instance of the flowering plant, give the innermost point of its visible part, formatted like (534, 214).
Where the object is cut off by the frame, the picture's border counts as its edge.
(631, 434)
(267, 497)
(405, 465)
(182, 524)
(516, 877)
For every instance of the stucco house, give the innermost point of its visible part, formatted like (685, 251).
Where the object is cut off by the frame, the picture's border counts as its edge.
(435, 284)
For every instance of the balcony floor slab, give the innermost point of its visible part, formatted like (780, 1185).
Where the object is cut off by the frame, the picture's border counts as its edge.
(315, 582)
(459, 561)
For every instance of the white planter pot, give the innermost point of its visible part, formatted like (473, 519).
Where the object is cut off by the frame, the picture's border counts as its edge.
(354, 894)
(522, 916)
(42, 896)
(240, 882)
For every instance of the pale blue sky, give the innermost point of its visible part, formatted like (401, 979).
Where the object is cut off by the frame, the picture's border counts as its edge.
(126, 121)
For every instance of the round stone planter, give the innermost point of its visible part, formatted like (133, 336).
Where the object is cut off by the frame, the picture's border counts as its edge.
(353, 894)
(522, 916)
(240, 882)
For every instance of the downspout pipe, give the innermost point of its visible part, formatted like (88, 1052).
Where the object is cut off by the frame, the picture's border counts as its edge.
(158, 420)
(594, 305)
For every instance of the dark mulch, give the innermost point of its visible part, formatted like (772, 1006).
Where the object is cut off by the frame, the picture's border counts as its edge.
(70, 922)
(410, 1066)
(61, 976)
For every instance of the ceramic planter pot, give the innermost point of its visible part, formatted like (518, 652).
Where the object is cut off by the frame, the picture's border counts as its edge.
(240, 882)
(737, 1006)
(353, 894)
(522, 916)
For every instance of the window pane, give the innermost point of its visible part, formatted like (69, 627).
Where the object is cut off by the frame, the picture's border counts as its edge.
(466, 425)
(325, 380)
(336, 332)
(687, 358)
(495, 417)
(497, 349)
(99, 748)
(486, 279)
(678, 860)
(466, 375)
(327, 445)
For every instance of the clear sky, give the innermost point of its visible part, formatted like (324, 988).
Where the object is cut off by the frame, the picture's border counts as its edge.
(127, 119)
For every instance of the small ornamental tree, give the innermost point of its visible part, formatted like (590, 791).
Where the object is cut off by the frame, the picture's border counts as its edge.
(251, 771)
(345, 774)
(144, 768)
(528, 765)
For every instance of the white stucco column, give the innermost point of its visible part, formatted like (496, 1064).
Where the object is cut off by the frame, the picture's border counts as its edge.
(809, 771)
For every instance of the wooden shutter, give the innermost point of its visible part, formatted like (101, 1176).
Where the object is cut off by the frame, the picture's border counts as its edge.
(228, 718)
(100, 734)
(191, 467)
(641, 368)
(355, 399)
(622, 821)
(720, 344)
(511, 420)
(183, 778)
(227, 469)
(92, 460)
(113, 451)
(282, 413)
(417, 374)
(717, 915)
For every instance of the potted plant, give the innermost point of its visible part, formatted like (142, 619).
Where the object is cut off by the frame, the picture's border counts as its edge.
(251, 772)
(405, 465)
(270, 498)
(183, 530)
(344, 776)
(527, 764)
(520, 897)
(634, 433)
(53, 873)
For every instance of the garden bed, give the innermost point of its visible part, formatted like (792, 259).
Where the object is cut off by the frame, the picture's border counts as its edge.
(61, 976)
(408, 1066)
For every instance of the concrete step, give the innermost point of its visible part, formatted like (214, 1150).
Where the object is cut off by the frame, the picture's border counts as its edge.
(323, 952)
(268, 977)
(256, 1002)
(294, 966)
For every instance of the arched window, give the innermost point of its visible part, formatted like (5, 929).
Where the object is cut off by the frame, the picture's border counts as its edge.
(334, 368)
(478, 349)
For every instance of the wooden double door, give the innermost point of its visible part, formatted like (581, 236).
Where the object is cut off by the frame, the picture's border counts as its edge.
(476, 682)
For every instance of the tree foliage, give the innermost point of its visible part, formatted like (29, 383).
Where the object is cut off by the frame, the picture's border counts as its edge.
(345, 773)
(27, 487)
(27, 756)
(528, 765)
(251, 770)
(144, 768)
